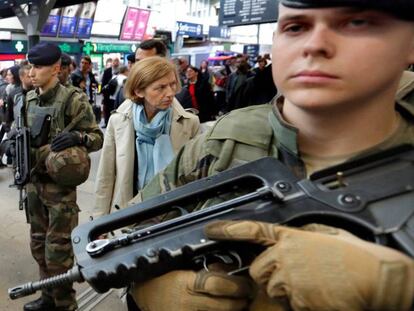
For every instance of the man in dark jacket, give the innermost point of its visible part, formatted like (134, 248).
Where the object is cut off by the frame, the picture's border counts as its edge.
(85, 71)
(107, 102)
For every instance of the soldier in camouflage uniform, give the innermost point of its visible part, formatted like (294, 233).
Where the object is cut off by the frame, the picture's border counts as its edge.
(64, 79)
(63, 131)
(337, 64)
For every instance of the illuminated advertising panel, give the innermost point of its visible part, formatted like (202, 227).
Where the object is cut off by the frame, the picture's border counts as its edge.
(134, 24)
(141, 25)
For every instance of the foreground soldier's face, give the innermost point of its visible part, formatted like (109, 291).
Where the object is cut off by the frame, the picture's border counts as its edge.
(43, 76)
(327, 58)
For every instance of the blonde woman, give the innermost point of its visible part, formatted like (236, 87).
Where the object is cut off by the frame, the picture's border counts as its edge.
(143, 134)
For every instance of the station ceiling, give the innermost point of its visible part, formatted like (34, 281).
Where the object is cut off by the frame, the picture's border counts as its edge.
(6, 5)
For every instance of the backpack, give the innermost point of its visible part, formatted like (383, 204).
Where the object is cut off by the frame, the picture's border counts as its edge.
(110, 88)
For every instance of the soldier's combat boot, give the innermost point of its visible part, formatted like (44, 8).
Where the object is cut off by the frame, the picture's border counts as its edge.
(40, 304)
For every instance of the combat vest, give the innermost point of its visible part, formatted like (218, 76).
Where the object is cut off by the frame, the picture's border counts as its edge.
(36, 111)
(54, 107)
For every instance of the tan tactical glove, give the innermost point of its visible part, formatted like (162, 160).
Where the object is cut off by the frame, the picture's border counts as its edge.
(193, 291)
(327, 269)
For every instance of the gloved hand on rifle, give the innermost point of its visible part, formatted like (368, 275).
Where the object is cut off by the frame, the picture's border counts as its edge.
(65, 140)
(212, 290)
(323, 268)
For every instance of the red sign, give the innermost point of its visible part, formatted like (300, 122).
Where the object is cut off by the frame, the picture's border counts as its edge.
(12, 56)
(134, 24)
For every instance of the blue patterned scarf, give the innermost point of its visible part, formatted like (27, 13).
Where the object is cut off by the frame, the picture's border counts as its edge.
(153, 143)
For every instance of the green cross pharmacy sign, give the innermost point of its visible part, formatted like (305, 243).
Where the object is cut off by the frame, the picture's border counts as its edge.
(92, 48)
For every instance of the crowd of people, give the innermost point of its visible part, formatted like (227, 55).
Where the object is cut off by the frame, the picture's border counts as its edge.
(208, 91)
(335, 103)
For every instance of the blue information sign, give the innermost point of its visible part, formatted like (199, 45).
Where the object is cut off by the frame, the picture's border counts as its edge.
(252, 50)
(189, 29)
(84, 28)
(67, 26)
(50, 28)
(219, 32)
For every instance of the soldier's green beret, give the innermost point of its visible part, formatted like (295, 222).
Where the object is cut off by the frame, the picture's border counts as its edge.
(44, 54)
(403, 9)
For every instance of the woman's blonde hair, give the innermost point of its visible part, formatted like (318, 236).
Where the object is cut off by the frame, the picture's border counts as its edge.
(147, 71)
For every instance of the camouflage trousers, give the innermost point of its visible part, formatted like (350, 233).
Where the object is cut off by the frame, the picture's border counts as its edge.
(53, 213)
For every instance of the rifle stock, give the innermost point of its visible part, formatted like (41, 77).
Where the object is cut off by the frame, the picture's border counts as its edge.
(371, 197)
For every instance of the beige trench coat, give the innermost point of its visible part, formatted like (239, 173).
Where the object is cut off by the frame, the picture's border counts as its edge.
(114, 181)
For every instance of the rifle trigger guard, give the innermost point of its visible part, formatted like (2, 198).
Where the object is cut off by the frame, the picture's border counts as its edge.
(229, 258)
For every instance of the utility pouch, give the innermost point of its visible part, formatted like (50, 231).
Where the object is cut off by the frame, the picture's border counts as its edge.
(40, 130)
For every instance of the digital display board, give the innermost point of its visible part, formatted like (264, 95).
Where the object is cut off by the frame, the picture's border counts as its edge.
(72, 21)
(245, 12)
(69, 21)
(85, 21)
(134, 24)
(50, 28)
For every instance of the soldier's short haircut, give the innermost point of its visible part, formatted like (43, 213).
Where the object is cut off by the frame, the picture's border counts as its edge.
(158, 45)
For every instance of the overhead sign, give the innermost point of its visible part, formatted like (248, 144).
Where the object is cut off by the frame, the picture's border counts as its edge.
(69, 47)
(189, 29)
(72, 21)
(134, 24)
(245, 12)
(84, 28)
(219, 32)
(20, 46)
(92, 48)
(13, 47)
(252, 50)
(69, 21)
(50, 28)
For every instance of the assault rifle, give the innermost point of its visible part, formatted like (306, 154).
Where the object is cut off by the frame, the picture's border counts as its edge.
(22, 163)
(372, 197)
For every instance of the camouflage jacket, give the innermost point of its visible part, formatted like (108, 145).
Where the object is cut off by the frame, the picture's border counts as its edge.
(231, 142)
(77, 114)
